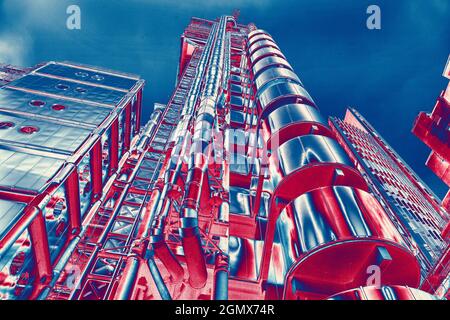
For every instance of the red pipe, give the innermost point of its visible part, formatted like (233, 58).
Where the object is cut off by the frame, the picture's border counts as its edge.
(18, 197)
(195, 259)
(96, 170)
(193, 188)
(18, 228)
(114, 156)
(38, 235)
(138, 111)
(163, 253)
(73, 201)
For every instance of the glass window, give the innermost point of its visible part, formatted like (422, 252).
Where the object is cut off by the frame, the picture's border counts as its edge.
(121, 132)
(106, 154)
(133, 118)
(17, 267)
(85, 181)
(57, 222)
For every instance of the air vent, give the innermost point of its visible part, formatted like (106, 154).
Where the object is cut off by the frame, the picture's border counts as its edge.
(36, 103)
(97, 77)
(58, 107)
(6, 125)
(29, 129)
(82, 74)
(61, 86)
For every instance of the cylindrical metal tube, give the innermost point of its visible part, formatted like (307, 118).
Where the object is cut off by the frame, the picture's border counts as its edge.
(221, 273)
(160, 285)
(198, 163)
(308, 168)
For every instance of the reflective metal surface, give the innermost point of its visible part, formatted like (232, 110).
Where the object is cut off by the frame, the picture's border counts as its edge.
(235, 189)
(239, 201)
(25, 171)
(255, 32)
(261, 44)
(331, 214)
(41, 134)
(384, 293)
(69, 89)
(271, 74)
(10, 212)
(244, 258)
(278, 91)
(290, 114)
(83, 74)
(301, 151)
(308, 166)
(22, 102)
(264, 52)
(59, 144)
(259, 37)
(335, 221)
(268, 62)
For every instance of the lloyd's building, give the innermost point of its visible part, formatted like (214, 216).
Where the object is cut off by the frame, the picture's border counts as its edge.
(236, 188)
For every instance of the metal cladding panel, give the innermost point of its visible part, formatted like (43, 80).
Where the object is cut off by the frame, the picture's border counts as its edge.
(275, 73)
(292, 113)
(43, 134)
(266, 62)
(281, 90)
(256, 32)
(260, 44)
(26, 171)
(259, 37)
(301, 151)
(329, 229)
(348, 213)
(240, 201)
(69, 89)
(267, 51)
(245, 255)
(19, 101)
(87, 75)
(10, 212)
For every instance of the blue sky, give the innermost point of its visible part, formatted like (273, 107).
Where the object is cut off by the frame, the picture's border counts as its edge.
(389, 75)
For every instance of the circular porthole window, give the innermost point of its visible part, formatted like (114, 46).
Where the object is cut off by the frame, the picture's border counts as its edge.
(97, 77)
(36, 103)
(82, 74)
(29, 129)
(58, 107)
(80, 90)
(61, 86)
(6, 125)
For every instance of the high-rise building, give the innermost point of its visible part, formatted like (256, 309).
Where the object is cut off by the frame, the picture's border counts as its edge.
(236, 188)
(434, 130)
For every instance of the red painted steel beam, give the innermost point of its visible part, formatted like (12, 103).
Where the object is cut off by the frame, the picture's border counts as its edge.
(38, 234)
(96, 171)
